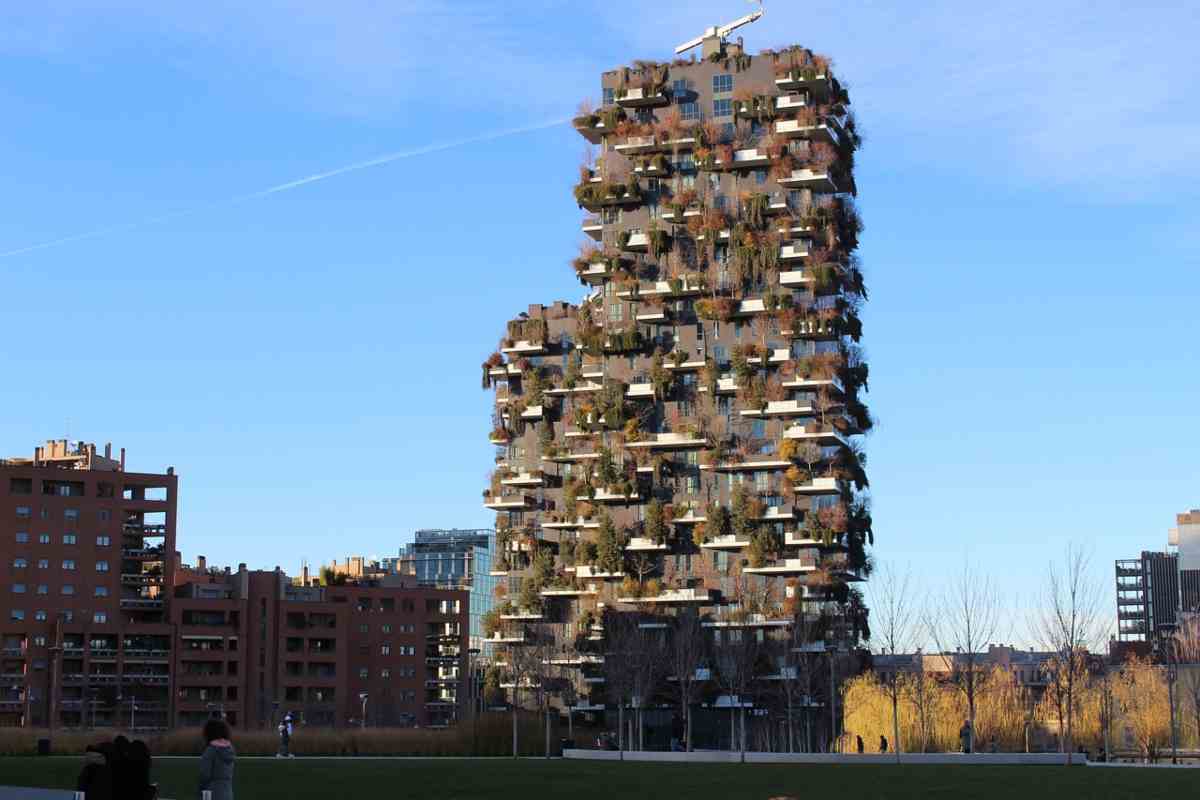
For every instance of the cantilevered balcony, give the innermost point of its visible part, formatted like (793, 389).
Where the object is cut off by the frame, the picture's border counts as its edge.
(727, 542)
(796, 278)
(604, 495)
(636, 144)
(777, 514)
(581, 387)
(644, 98)
(641, 544)
(508, 502)
(571, 458)
(818, 486)
(689, 517)
(682, 287)
(569, 591)
(815, 384)
(749, 307)
(748, 621)
(782, 408)
(825, 437)
(794, 251)
(500, 637)
(523, 615)
(532, 413)
(684, 597)
(668, 441)
(525, 479)
(589, 572)
(785, 566)
(724, 386)
(790, 102)
(804, 78)
(653, 314)
(524, 348)
(827, 131)
(746, 159)
(642, 391)
(597, 272)
(505, 371)
(593, 227)
(579, 523)
(819, 180)
(752, 465)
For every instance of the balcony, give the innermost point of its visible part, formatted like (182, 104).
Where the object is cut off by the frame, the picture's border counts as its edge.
(785, 566)
(782, 408)
(578, 523)
(593, 227)
(793, 251)
(508, 502)
(145, 603)
(597, 272)
(818, 486)
(604, 495)
(777, 514)
(690, 518)
(748, 307)
(795, 278)
(653, 315)
(746, 159)
(826, 437)
(640, 391)
(748, 621)
(588, 572)
(507, 638)
(724, 386)
(636, 144)
(523, 615)
(142, 553)
(827, 131)
(505, 371)
(570, 458)
(141, 579)
(804, 78)
(525, 479)
(727, 542)
(680, 287)
(579, 388)
(669, 441)
(748, 466)
(568, 591)
(524, 348)
(789, 102)
(642, 97)
(815, 384)
(640, 544)
(819, 180)
(693, 596)
(574, 660)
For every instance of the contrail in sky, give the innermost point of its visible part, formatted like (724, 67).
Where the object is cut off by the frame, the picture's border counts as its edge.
(283, 187)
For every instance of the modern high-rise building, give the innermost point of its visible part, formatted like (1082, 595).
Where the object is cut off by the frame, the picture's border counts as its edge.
(685, 438)
(455, 558)
(1147, 597)
(1186, 539)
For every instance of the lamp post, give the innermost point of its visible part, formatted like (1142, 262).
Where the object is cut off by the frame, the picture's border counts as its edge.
(471, 653)
(363, 720)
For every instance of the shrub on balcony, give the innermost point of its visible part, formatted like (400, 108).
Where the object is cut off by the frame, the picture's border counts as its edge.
(654, 526)
(610, 555)
(720, 309)
(718, 522)
(630, 587)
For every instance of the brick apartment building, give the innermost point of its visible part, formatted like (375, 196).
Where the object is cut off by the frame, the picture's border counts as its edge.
(100, 625)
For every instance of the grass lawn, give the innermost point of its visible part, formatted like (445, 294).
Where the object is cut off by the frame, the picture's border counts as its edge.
(452, 779)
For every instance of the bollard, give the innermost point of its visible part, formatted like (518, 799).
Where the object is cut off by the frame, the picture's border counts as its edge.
(206, 794)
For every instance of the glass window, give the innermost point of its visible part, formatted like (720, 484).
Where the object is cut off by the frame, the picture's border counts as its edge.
(40, 615)
(606, 96)
(18, 588)
(68, 563)
(23, 512)
(22, 537)
(43, 589)
(43, 563)
(385, 628)
(385, 650)
(385, 673)
(103, 541)
(68, 538)
(363, 672)
(722, 82)
(71, 515)
(679, 88)
(16, 615)
(43, 538)
(722, 107)
(20, 563)
(100, 616)
(101, 591)
(689, 111)
(68, 589)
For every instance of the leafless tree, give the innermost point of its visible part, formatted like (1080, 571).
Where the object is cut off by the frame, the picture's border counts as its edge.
(922, 691)
(649, 658)
(796, 654)
(894, 627)
(734, 653)
(620, 632)
(520, 660)
(687, 653)
(1066, 623)
(966, 619)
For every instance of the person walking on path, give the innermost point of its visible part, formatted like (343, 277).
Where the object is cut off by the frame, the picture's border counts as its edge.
(860, 745)
(216, 763)
(882, 743)
(964, 735)
(285, 737)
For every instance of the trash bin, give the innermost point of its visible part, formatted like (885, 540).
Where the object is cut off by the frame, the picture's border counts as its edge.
(43, 747)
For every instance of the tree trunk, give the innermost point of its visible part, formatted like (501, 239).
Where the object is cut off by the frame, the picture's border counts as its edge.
(742, 720)
(791, 741)
(621, 729)
(514, 729)
(896, 722)
(546, 714)
(732, 728)
(570, 725)
(688, 728)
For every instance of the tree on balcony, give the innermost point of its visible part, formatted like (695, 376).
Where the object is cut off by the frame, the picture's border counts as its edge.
(610, 555)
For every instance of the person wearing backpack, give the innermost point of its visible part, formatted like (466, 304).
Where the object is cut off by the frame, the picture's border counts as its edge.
(216, 763)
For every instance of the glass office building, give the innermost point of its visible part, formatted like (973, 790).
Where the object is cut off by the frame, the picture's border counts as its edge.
(456, 558)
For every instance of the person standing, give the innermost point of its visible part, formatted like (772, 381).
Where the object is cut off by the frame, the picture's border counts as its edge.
(859, 744)
(216, 763)
(882, 743)
(964, 735)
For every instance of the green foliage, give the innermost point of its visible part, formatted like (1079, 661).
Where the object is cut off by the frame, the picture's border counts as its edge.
(654, 526)
(610, 555)
(719, 523)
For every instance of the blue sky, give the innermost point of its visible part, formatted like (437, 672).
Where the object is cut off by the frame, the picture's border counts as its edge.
(308, 361)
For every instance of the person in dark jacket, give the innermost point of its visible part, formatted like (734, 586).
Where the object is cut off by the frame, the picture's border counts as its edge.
(216, 764)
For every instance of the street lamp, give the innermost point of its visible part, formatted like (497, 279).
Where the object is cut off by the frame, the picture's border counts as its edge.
(363, 697)
(471, 653)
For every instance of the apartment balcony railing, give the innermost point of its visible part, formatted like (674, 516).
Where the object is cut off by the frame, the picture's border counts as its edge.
(785, 566)
(669, 441)
(727, 542)
(644, 98)
(781, 408)
(819, 180)
(692, 596)
(827, 131)
(641, 544)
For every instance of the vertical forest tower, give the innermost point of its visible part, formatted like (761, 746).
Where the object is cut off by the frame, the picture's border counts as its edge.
(684, 442)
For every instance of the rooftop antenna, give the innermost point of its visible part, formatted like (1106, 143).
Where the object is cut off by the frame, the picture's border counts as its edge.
(721, 31)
